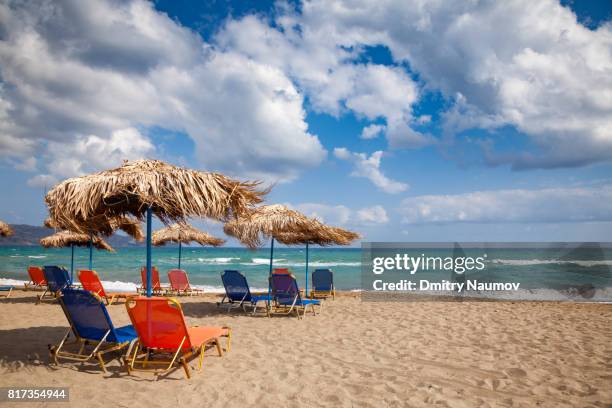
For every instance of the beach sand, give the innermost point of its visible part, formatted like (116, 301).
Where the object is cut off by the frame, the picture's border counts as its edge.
(355, 354)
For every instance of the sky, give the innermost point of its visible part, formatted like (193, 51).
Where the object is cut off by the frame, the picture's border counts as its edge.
(403, 120)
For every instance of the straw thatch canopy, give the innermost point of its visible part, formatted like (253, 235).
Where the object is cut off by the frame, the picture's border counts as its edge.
(278, 221)
(5, 229)
(323, 236)
(185, 234)
(173, 193)
(66, 238)
(126, 224)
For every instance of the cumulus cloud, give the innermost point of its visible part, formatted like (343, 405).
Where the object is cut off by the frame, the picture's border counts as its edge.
(372, 131)
(324, 66)
(577, 204)
(521, 63)
(332, 214)
(342, 215)
(375, 215)
(137, 68)
(369, 167)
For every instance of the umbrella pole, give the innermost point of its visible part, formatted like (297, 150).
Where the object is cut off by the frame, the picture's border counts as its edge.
(149, 217)
(72, 263)
(180, 250)
(270, 274)
(90, 252)
(306, 292)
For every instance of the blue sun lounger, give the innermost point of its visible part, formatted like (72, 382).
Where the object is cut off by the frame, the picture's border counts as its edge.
(323, 284)
(6, 290)
(287, 298)
(57, 279)
(238, 293)
(91, 326)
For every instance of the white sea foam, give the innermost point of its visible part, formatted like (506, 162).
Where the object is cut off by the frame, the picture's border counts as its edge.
(284, 262)
(37, 256)
(526, 262)
(217, 260)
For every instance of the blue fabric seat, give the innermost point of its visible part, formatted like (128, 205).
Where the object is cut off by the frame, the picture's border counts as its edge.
(91, 324)
(238, 293)
(8, 289)
(57, 279)
(287, 297)
(323, 284)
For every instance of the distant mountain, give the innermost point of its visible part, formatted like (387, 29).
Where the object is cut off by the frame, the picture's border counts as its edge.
(30, 235)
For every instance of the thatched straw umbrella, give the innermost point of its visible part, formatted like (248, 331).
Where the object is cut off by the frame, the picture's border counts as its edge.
(126, 224)
(184, 234)
(63, 239)
(5, 229)
(283, 224)
(146, 187)
(314, 232)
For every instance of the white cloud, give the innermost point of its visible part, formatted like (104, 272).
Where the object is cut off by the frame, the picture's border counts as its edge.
(342, 215)
(369, 167)
(375, 215)
(579, 204)
(101, 67)
(92, 153)
(372, 131)
(331, 214)
(317, 59)
(42, 180)
(523, 63)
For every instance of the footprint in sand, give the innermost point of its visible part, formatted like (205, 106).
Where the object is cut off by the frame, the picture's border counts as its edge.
(516, 372)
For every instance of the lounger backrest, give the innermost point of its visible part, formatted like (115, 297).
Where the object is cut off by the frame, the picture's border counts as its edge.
(236, 286)
(91, 282)
(322, 279)
(155, 282)
(37, 275)
(281, 271)
(57, 278)
(178, 279)
(285, 289)
(87, 314)
(159, 322)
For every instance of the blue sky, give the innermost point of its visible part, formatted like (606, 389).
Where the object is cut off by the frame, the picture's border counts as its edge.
(405, 121)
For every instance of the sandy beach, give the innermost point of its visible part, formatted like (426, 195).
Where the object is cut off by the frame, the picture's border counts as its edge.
(354, 354)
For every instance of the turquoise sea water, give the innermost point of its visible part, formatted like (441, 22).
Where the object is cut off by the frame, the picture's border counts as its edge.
(204, 265)
(542, 273)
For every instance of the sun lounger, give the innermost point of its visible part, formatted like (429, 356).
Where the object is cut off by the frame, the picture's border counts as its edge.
(281, 271)
(92, 328)
(91, 282)
(323, 284)
(238, 293)
(156, 287)
(179, 283)
(287, 298)
(37, 278)
(165, 342)
(6, 290)
(57, 279)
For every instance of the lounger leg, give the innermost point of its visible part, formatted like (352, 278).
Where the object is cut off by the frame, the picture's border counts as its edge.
(185, 367)
(202, 348)
(228, 344)
(218, 345)
(56, 349)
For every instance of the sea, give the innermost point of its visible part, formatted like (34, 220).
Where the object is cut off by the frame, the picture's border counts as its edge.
(584, 275)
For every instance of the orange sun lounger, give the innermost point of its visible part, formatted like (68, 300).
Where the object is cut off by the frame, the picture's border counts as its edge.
(179, 283)
(164, 339)
(91, 282)
(37, 278)
(156, 286)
